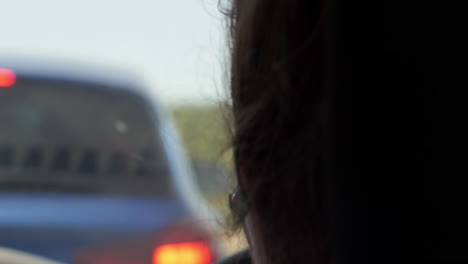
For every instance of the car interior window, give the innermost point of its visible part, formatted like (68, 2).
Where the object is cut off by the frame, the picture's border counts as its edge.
(95, 160)
(118, 163)
(33, 158)
(89, 161)
(61, 160)
(146, 164)
(6, 157)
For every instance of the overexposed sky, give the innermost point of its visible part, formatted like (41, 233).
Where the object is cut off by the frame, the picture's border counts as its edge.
(177, 46)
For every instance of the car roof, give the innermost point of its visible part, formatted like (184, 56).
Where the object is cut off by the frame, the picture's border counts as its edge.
(72, 70)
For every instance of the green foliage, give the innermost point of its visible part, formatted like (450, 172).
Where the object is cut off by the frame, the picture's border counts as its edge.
(204, 129)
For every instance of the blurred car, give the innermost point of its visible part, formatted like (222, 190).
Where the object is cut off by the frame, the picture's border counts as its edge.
(91, 170)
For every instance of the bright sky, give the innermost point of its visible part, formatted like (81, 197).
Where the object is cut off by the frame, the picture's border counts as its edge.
(177, 46)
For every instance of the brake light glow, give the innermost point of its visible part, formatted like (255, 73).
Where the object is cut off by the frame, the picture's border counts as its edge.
(183, 253)
(7, 78)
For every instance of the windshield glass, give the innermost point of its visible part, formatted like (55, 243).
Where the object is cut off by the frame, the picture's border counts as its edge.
(92, 171)
(68, 136)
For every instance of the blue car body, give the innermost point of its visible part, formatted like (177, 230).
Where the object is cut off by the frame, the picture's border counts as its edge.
(57, 225)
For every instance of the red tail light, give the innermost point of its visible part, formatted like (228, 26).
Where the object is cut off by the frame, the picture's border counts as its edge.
(7, 78)
(183, 253)
(179, 244)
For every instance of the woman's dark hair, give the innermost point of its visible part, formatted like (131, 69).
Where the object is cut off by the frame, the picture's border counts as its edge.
(276, 86)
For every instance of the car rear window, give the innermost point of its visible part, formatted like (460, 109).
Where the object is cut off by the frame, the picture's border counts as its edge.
(59, 136)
